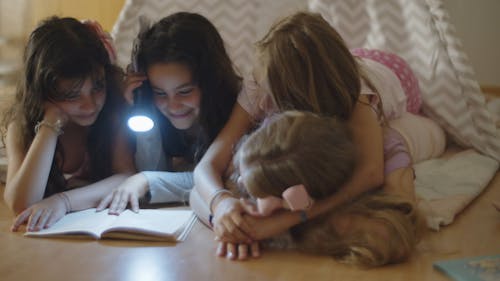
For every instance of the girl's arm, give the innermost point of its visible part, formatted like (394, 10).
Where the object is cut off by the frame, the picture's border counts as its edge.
(46, 212)
(208, 179)
(28, 171)
(163, 187)
(369, 172)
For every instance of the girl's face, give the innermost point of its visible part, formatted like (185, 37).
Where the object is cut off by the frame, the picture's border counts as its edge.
(176, 95)
(83, 101)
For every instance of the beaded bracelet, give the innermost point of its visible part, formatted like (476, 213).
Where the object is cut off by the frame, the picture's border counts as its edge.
(56, 126)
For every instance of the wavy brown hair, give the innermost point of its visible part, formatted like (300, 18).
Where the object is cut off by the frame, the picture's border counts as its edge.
(65, 48)
(192, 40)
(382, 229)
(309, 67)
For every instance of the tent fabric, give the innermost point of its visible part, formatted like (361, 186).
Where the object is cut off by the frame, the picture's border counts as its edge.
(240, 22)
(420, 32)
(417, 30)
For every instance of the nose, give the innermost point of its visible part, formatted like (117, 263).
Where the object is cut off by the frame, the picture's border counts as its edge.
(88, 103)
(174, 104)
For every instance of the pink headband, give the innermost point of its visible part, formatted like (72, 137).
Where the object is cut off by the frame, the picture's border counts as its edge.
(106, 39)
(295, 198)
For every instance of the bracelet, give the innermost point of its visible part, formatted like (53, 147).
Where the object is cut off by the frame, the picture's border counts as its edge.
(56, 126)
(65, 198)
(216, 194)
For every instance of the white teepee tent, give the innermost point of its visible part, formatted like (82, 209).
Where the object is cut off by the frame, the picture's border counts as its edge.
(417, 30)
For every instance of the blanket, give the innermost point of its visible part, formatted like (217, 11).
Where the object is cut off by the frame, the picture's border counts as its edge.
(445, 186)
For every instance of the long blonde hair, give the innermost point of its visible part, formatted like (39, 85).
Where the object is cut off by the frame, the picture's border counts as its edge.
(309, 67)
(297, 148)
(395, 227)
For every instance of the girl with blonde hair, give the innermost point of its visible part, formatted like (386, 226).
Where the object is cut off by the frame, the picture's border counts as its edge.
(297, 158)
(305, 65)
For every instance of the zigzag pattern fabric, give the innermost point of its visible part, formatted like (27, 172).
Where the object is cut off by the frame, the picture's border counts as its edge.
(417, 30)
(420, 32)
(240, 22)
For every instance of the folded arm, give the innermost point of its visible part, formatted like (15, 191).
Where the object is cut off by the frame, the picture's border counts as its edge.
(208, 179)
(28, 171)
(368, 174)
(44, 213)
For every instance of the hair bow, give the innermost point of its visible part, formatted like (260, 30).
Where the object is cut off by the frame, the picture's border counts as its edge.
(294, 198)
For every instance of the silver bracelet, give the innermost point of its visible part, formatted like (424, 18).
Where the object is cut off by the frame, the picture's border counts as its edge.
(216, 194)
(56, 126)
(67, 202)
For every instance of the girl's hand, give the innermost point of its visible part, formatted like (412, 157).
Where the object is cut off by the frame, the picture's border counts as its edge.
(42, 214)
(267, 226)
(132, 81)
(233, 251)
(128, 192)
(53, 113)
(228, 222)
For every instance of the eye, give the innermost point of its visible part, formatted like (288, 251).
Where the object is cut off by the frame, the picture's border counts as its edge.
(98, 86)
(159, 93)
(185, 91)
(72, 96)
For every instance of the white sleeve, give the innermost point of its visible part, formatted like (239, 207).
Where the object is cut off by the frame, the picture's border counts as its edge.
(168, 187)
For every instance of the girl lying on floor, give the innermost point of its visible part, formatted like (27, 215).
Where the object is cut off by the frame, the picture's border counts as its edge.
(296, 158)
(65, 140)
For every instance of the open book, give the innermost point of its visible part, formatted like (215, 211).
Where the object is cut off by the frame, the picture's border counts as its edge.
(171, 225)
(483, 268)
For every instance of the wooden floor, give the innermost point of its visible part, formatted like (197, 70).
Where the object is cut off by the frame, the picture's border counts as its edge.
(475, 232)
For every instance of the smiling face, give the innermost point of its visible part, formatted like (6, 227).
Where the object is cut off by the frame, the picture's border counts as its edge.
(176, 95)
(83, 100)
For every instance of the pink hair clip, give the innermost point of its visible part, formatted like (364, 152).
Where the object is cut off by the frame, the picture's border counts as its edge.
(294, 198)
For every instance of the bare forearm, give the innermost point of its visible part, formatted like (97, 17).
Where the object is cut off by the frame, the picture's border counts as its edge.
(199, 206)
(207, 180)
(209, 172)
(26, 186)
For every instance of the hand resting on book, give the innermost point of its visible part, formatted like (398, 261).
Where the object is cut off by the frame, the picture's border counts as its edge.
(42, 214)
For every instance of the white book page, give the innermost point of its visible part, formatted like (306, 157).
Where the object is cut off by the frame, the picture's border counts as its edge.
(87, 221)
(158, 222)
